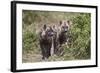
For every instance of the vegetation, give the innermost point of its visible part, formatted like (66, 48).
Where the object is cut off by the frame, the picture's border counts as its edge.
(80, 35)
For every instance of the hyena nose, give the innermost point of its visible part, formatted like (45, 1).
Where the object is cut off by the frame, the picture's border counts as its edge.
(65, 30)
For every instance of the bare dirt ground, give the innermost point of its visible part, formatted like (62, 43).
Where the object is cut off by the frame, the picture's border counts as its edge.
(32, 57)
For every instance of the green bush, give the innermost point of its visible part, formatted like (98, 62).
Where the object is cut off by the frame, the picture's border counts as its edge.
(81, 34)
(29, 41)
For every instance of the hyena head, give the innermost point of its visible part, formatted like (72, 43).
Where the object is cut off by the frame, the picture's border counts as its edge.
(64, 26)
(49, 31)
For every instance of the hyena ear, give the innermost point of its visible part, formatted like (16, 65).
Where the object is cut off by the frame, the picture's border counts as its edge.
(44, 26)
(68, 22)
(60, 22)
